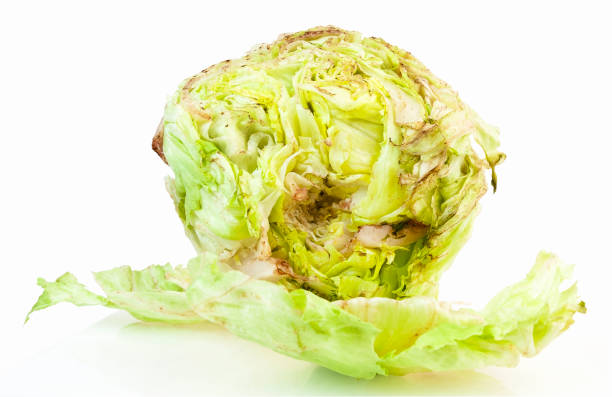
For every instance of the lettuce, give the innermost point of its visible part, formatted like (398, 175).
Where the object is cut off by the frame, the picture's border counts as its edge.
(326, 181)
(320, 126)
(359, 337)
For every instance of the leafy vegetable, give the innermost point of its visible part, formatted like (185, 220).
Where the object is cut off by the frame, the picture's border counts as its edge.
(293, 147)
(360, 337)
(326, 181)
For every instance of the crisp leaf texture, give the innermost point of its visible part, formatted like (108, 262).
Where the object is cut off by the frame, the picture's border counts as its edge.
(65, 289)
(338, 154)
(326, 181)
(359, 337)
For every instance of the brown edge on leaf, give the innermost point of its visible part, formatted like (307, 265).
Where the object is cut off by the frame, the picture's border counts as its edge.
(311, 34)
(283, 268)
(158, 141)
(195, 108)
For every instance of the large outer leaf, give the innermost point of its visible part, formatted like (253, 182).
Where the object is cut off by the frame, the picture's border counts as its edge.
(358, 337)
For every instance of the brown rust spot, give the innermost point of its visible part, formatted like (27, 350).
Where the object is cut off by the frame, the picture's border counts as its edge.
(410, 232)
(194, 107)
(311, 34)
(324, 91)
(300, 194)
(158, 141)
(284, 269)
(191, 104)
(342, 304)
(345, 204)
(192, 80)
(395, 49)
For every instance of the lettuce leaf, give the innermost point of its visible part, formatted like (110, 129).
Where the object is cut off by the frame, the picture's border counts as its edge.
(359, 337)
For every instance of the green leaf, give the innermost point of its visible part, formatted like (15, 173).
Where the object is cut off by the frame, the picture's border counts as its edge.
(423, 334)
(65, 289)
(359, 337)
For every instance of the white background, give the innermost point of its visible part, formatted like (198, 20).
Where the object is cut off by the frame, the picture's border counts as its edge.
(82, 88)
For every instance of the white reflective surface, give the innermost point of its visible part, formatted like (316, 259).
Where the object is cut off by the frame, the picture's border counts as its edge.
(119, 356)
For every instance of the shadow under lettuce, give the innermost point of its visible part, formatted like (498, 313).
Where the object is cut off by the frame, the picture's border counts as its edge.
(205, 355)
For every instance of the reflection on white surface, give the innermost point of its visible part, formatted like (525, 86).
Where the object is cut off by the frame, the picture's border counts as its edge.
(119, 356)
(235, 365)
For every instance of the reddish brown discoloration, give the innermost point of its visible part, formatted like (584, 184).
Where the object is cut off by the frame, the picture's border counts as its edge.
(199, 113)
(345, 204)
(411, 232)
(158, 141)
(194, 107)
(284, 269)
(372, 236)
(311, 34)
(191, 104)
(300, 194)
